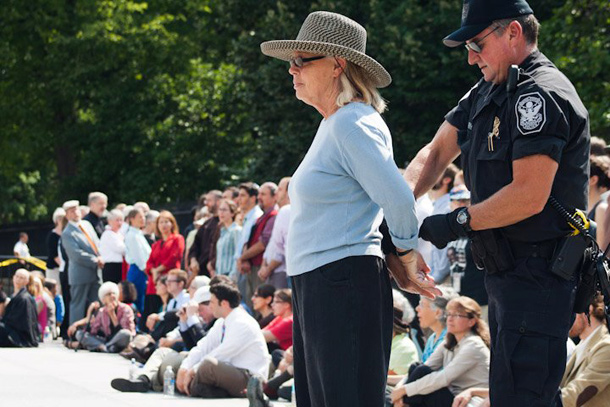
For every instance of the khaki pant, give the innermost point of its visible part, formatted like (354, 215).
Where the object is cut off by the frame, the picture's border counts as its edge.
(158, 362)
(216, 379)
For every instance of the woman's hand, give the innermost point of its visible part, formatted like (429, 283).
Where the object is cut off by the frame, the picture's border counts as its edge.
(71, 330)
(397, 394)
(411, 274)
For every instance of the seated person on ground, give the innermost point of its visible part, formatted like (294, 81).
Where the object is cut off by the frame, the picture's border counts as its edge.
(259, 393)
(431, 315)
(173, 339)
(152, 373)
(161, 323)
(586, 380)
(222, 362)
(112, 326)
(403, 352)
(261, 303)
(461, 363)
(278, 333)
(19, 325)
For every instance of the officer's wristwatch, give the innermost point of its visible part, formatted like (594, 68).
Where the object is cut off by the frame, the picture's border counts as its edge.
(463, 219)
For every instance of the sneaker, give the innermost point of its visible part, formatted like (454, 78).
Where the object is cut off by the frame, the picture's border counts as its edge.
(131, 386)
(255, 394)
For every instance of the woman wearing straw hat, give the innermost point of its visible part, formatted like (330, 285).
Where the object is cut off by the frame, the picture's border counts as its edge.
(341, 289)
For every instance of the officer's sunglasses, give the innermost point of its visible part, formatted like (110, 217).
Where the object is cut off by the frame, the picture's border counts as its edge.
(299, 62)
(475, 46)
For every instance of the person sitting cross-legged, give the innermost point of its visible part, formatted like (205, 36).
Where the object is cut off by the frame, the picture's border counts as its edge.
(113, 326)
(221, 363)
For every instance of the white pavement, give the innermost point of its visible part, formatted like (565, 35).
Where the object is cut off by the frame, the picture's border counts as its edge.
(53, 376)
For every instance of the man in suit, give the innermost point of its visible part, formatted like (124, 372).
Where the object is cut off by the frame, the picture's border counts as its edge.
(586, 381)
(81, 243)
(19, 326)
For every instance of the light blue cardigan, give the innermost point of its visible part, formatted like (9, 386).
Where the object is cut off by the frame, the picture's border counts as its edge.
(343, 187)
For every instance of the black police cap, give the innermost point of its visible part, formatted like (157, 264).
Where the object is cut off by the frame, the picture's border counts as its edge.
(479, 14)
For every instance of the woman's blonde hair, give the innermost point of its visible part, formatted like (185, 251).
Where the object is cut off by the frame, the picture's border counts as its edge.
(356, 84)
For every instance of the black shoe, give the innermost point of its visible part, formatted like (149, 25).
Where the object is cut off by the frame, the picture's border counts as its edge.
(255, 394)
(139, 385)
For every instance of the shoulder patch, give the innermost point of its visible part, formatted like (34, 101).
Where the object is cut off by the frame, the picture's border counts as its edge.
(531, 113)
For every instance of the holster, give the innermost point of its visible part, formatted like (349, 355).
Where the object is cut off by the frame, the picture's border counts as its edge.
(587, 284)
(491, 251)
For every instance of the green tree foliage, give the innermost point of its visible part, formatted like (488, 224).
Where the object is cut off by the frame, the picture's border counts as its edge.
(577, 39)
(161, 100)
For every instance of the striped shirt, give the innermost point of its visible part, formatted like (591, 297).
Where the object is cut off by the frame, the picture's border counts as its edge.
(226, 248)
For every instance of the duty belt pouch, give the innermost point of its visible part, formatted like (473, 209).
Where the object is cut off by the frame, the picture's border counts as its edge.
(586, 286)
(491, 251)
(568, 256)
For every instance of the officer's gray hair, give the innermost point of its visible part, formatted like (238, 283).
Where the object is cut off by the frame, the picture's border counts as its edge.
(529, 23)
(355, 83)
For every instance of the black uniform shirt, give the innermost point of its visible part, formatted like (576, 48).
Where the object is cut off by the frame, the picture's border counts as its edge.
(544, 115)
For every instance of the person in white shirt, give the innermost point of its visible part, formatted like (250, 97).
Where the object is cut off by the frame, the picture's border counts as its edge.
(163, 322)
(233, 351)
(247, 201)
(21, 249)
(137, 252)
(112, 248)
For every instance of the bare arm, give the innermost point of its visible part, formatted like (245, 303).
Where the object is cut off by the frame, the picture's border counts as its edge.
(429, 164)
(524, 197)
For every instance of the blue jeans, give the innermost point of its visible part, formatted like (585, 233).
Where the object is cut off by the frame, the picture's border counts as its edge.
(139, 279)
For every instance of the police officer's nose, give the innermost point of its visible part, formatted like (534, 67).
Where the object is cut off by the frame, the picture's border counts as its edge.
(473, 57)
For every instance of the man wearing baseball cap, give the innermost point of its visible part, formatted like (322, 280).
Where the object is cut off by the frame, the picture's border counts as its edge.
(523, 135)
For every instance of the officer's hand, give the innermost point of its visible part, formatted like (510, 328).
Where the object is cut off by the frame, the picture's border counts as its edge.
(411, 274)
(442, 229)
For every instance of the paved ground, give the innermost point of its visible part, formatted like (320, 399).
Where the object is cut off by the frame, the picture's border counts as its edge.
(53, 376)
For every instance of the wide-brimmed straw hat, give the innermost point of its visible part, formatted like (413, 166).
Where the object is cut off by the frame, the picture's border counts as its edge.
(332, 34)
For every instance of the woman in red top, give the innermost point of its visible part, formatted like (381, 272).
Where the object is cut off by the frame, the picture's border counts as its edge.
(166, 252)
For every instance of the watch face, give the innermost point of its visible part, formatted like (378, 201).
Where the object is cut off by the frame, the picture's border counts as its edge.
(462, 217)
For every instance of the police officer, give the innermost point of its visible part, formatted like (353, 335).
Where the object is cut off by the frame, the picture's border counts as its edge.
(519, 143)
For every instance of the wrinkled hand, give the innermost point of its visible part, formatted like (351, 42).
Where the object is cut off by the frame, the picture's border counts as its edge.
(442, 229)
(411, 274)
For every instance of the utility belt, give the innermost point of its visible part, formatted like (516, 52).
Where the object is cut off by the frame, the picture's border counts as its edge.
(576, 256)
(495, 253)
